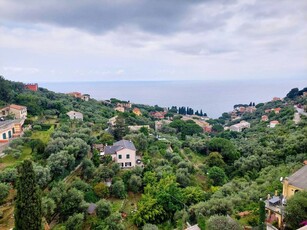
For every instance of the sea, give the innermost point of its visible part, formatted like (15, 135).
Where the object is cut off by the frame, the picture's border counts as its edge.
(212, 97)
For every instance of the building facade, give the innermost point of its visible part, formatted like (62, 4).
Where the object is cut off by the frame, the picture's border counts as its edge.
(122, 152)
(10, 129)
(75, 115)
(17, 111)
(31, 86)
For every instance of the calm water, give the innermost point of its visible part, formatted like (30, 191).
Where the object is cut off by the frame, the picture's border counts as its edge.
(214, 98)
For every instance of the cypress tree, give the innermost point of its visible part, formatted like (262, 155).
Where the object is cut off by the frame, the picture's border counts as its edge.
(262, 215)
(28, 207)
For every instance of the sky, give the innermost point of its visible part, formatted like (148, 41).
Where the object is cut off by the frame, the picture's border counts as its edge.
(149, 40)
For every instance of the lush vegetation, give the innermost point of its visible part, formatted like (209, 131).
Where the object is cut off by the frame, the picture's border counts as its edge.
(188, 175)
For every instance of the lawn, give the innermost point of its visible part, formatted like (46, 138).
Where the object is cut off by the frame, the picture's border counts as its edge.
(10, 161)
(44, 136)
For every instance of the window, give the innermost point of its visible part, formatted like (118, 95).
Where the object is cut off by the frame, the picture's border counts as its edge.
(119, 156)
(128, 164)
(127, 156)
(4, 136)
(10, 134)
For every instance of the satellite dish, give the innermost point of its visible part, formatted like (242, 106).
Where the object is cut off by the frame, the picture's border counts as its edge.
(281, 179)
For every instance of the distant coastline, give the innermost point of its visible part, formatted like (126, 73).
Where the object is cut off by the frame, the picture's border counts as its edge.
(213, 97)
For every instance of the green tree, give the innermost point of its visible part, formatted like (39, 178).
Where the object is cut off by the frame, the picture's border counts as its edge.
(118, 189)
(101, 190)
(222, 222)
(261, 215)
(75, 222)
(72, 202)
(60, 163)
(144, 130)
(28, 207)
(8, 175)
(106, 138)
(4, 191)
(201, 221)
(293, 93)
(43, 176)
(193, 195)
(135, 183)
(296, 210)
(225, 147)
(120, 128)
(217, 175)
(149, 211)
(103, 209)
(215, 159)
(48, 208)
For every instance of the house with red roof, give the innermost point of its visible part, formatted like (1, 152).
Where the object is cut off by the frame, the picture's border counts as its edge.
(18, 111)
(157, 115)
(273, 124)
(264, 118)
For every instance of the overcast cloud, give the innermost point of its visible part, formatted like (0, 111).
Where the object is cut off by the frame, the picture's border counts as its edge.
(56, 40)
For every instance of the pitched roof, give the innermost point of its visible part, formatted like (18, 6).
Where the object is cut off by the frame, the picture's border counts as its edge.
(298, 179)
(74, 113)
(123, 144)
(111, 149)
(18, 107)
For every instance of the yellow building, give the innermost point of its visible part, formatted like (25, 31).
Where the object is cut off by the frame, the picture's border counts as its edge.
(296, 182)
(292, 184)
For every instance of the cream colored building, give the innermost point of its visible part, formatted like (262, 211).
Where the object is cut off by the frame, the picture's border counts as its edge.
(75, 115)
(292, 184)
(120, 109)
(123, 152)
(18, 111)
(10, 129)
(240, 126)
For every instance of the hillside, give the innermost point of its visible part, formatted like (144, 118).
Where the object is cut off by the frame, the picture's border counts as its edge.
(185, 174)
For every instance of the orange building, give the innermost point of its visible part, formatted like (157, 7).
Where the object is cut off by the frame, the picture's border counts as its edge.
(32, 86)
(137, 111)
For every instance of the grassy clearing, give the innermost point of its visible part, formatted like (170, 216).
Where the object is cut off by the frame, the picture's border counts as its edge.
(26, 153)
(10, 161)
(44, 136)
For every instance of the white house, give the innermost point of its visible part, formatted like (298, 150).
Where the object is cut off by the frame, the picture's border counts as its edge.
(75, 115)
(273, 124)
(240, 126)
(85, 97)
(123, 152)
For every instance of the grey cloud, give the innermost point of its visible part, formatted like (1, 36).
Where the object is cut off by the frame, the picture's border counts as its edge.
(154, 16)
(202, 49)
